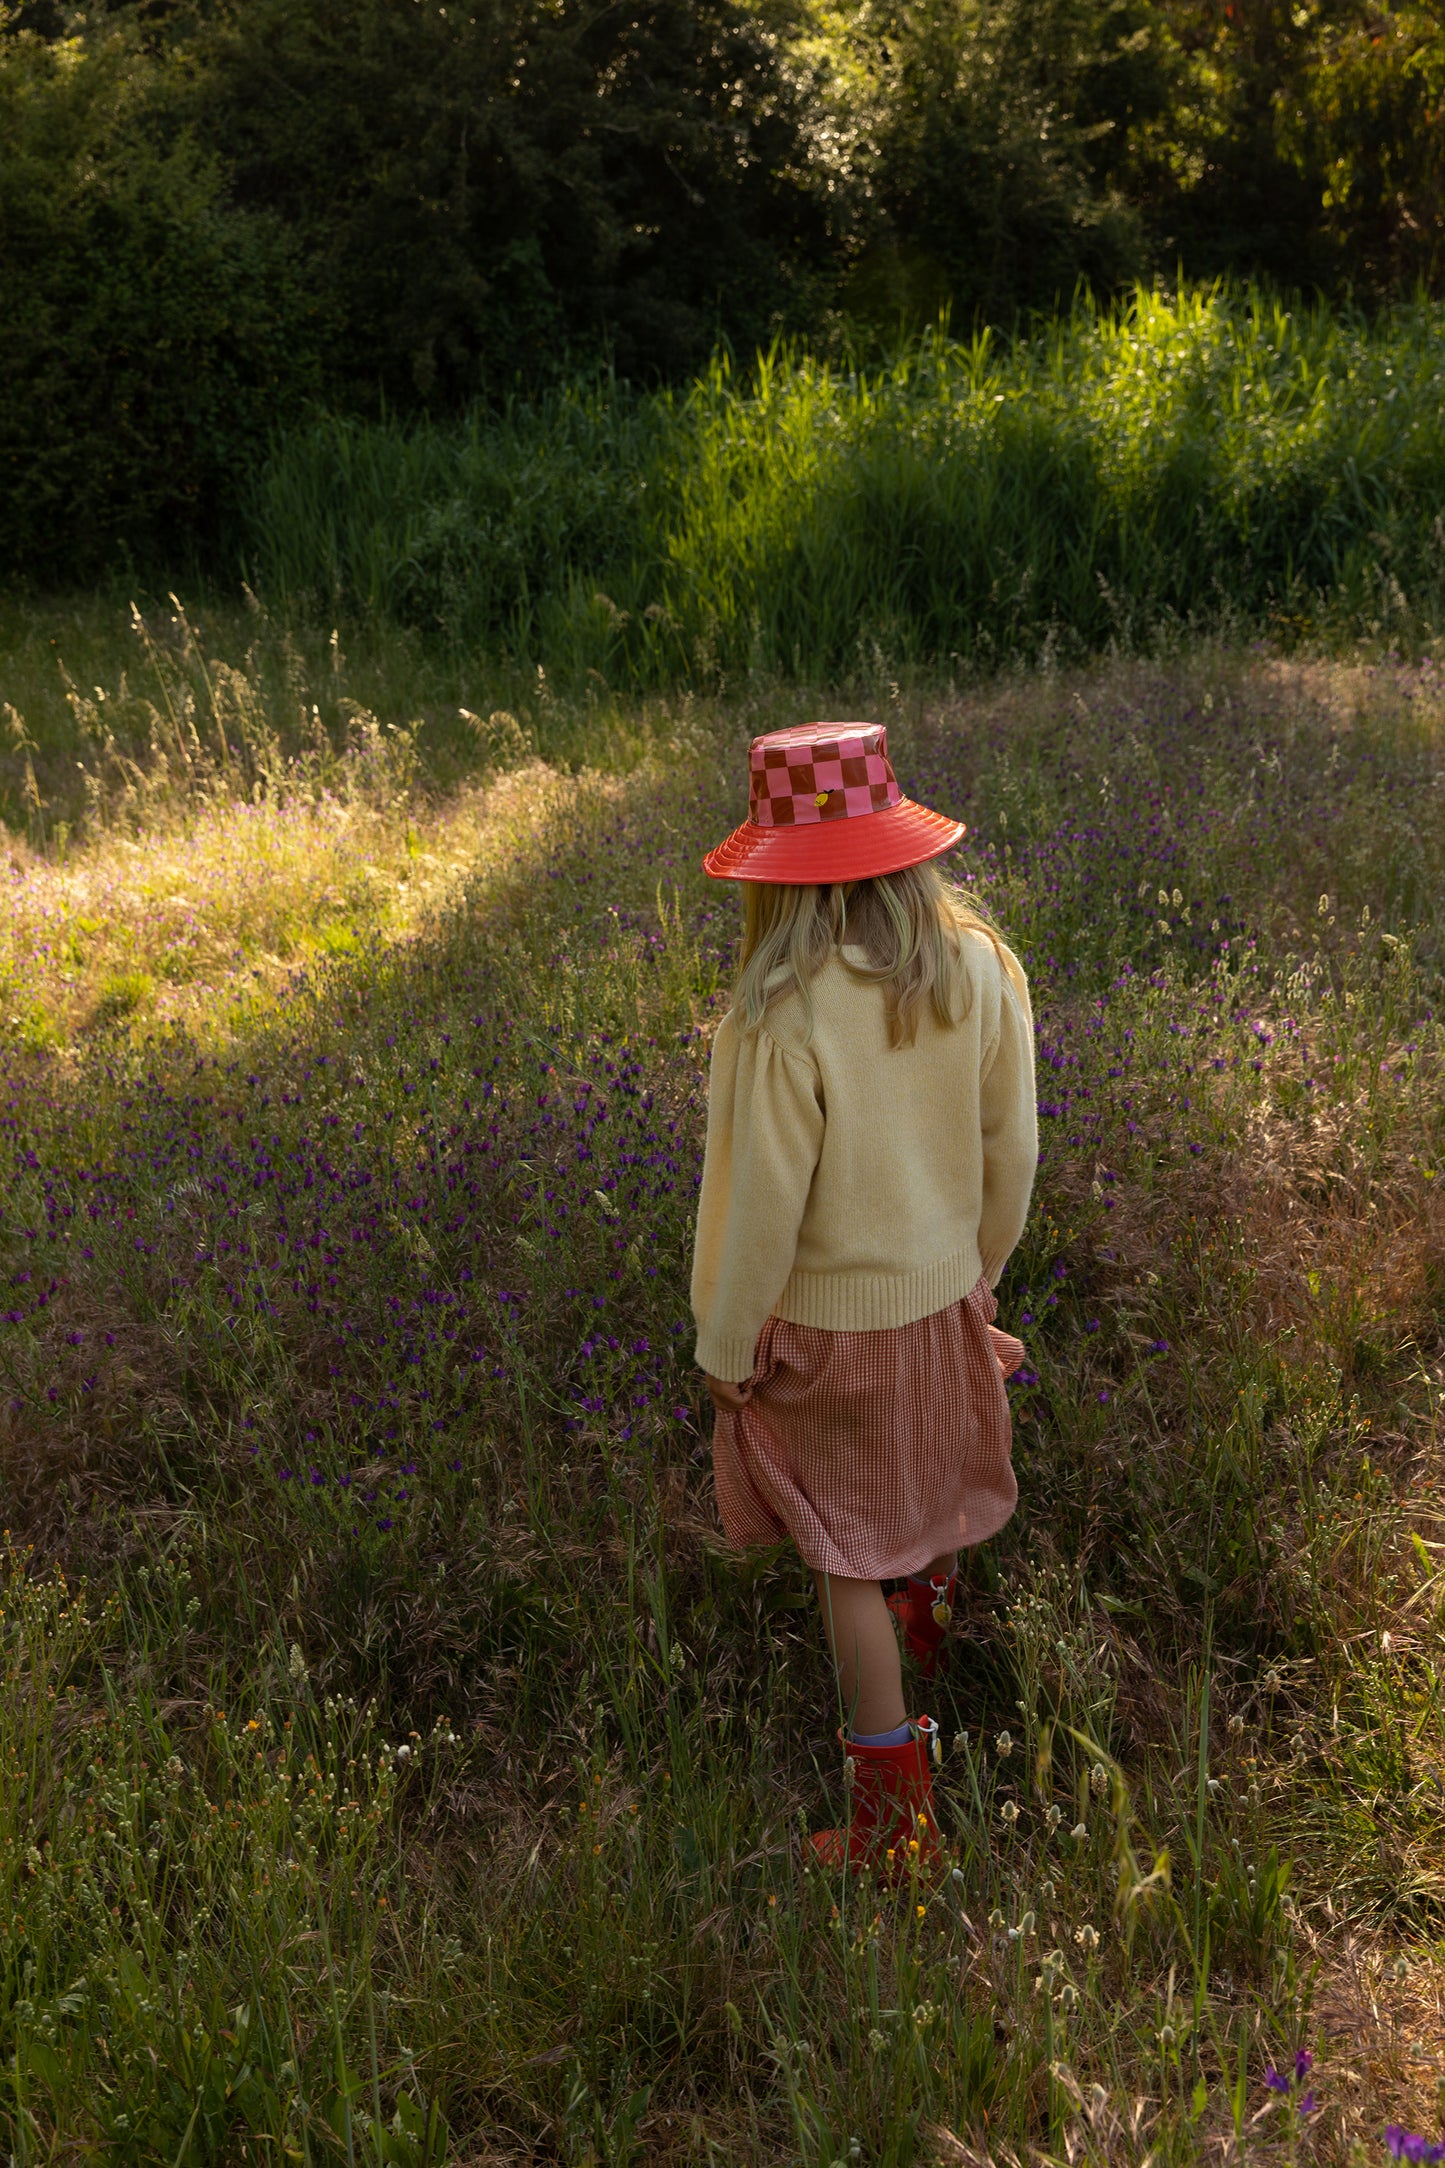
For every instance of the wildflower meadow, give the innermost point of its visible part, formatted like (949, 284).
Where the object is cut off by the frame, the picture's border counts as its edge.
(395, 1765)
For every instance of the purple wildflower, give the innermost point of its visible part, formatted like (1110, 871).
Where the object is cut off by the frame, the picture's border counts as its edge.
(1403, 2144)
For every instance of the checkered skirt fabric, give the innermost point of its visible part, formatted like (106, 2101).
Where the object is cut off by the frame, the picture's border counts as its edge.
(874, 1451)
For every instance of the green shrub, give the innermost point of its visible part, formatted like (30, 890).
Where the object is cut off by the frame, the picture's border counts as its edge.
(151, 335)
(480, 193)
(1209, 457)
(1002, 131)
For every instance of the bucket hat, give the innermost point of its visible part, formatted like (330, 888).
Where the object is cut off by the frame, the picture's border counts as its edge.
(824, 805)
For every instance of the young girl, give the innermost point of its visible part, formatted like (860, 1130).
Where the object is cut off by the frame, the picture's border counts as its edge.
(871, 1146)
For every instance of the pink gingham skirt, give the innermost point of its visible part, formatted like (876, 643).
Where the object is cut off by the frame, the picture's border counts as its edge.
(874, 1451)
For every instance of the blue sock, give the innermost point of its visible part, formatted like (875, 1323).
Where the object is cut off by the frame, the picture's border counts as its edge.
(900, 1737)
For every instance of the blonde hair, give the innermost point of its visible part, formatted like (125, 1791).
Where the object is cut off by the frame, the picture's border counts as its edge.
(909, 926)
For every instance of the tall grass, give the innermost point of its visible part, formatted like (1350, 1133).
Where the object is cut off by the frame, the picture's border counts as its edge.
(418, 1778)
(1207, 457)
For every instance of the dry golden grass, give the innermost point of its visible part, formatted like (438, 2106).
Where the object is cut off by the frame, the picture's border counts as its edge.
(229, 898)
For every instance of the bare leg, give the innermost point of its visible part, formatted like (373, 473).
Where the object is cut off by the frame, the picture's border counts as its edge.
(859, 1627)
(938, 1569)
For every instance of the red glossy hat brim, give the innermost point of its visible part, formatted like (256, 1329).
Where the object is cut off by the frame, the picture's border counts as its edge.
(848, 850)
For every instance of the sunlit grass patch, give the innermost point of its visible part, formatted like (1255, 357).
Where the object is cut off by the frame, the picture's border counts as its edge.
(234, 894)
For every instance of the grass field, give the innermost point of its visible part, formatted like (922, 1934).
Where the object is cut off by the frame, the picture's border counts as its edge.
(1208, 460)
(395, 1766)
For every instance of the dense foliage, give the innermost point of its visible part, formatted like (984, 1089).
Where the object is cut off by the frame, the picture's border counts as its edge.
(210, 211)
(151, 333)
(1197, 458)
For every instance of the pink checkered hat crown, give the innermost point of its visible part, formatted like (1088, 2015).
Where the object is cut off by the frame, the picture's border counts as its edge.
(800, 776)
(824, 805)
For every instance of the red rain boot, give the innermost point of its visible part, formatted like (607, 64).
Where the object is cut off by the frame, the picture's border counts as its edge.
(891, 1791)
(924, 1614)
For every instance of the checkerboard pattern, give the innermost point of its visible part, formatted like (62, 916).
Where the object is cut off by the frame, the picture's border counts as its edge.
(820, 772)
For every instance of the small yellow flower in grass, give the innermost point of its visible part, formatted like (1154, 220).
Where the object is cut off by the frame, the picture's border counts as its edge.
(595, 1850)
(772, 1900)
(913, 1846)
(921, 1910)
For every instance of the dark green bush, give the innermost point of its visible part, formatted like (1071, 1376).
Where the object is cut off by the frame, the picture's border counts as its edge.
(213, 210)
(482, 194)
(151, 333)
(1002, 138)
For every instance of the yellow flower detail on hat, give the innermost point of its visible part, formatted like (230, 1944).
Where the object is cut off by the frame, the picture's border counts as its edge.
(822, 797)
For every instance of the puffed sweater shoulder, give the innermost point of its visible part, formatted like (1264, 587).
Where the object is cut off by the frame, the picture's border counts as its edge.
(856, 1185)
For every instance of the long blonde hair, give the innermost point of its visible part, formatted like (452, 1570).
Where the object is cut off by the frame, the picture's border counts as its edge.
(909, 926)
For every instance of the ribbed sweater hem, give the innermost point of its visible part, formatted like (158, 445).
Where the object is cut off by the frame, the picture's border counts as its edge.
(848, 1302)
(877, 1301)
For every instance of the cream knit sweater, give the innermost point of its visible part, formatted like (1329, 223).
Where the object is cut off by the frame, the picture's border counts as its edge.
(855, 1185)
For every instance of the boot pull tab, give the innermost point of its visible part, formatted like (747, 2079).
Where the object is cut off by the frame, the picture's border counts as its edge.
(942, 1608)
(927, 1731)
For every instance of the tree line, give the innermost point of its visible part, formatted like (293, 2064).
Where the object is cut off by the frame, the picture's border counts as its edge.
(219, 215)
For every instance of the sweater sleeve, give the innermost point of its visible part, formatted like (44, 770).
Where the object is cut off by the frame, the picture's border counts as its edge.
(1009, 1120)
(764, 1134)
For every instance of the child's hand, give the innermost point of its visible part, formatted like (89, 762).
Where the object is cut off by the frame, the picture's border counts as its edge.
(729, 1399)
